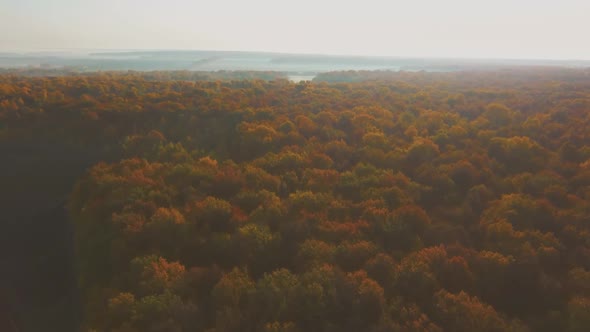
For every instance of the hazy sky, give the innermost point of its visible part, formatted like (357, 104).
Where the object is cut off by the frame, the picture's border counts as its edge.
(457, 28)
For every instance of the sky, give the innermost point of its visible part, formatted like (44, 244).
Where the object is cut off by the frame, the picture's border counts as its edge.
(530, 29)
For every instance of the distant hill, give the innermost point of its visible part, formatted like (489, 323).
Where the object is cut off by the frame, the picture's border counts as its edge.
(264, 61)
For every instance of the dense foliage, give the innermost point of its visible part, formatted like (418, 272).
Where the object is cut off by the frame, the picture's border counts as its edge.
(409, 202)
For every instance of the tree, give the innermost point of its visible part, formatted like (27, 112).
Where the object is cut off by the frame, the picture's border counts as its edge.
(213, 214)
(461, 312)
(231, 298)
(518, 154)
(275, 297)
(156, 274)
(578, 314)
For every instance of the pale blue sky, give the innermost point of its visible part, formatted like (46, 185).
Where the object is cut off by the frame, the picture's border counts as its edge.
(435, 28)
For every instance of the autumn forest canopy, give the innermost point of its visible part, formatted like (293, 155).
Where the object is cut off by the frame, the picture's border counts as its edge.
(361, 201)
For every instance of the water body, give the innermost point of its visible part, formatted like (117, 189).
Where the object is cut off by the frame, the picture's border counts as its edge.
(301, 78)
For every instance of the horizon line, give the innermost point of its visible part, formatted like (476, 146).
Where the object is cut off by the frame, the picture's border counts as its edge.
(23, 51)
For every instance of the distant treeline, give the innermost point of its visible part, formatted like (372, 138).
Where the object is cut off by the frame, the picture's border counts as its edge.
(157, 75)
(477, 75)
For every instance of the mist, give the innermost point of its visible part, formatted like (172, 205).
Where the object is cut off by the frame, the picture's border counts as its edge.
(458, 28)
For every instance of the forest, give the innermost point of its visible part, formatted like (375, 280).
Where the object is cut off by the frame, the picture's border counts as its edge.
(360, 201)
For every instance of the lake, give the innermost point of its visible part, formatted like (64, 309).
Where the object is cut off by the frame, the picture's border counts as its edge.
(300, 78)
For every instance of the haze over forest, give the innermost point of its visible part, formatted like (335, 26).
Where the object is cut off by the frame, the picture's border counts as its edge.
(293, 65)
(313, 165)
